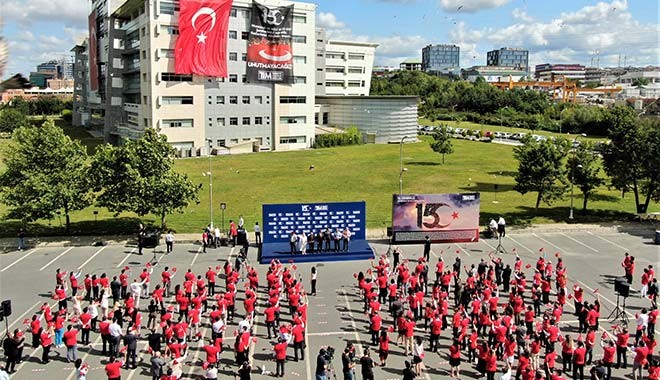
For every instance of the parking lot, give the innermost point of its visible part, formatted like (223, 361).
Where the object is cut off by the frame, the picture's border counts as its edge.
(335, 315)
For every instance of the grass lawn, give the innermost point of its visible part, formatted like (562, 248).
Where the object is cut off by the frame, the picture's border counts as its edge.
(367, 172)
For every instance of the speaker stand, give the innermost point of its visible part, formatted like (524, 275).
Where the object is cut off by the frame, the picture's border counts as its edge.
(500, 248)
(619, 312)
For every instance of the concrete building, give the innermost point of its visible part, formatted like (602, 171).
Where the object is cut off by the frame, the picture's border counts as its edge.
(411, 64)
(342, 67)
(381, 119)
(35, 93)
(548, 72)
(138, 89)
(441, 59)
(509, 57)
(80, 84)
(493, 73)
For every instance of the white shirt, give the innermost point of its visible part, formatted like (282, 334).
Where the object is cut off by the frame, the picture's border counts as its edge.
(501, 221)
(643, 320)
(217, 326)
(115, 329)
(136, 287)
(217, 232)
(169, 238)
(257, 228)
(418, 350)
(212, 373)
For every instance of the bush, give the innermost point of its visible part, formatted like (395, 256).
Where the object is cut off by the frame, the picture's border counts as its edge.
(67, 115)
(351, 136)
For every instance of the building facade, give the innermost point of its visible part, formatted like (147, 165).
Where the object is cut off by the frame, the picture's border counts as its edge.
(509, 57)
(493, 74)
(342, 67)
(549, 73)
(411, 64)
(441, 59)
(380, 119)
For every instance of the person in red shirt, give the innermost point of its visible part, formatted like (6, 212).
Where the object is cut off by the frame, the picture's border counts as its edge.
(113, 368)
(455, 359)
(35, 329)
(578, 361)
(280, 356)
(622, 337)
(374, 327)
(46, 339)
(212, 351)
(383, 347)
(641, 354)
(608, 356)
(71, 343)
(298, 333)
(210, 281)
(491, 365)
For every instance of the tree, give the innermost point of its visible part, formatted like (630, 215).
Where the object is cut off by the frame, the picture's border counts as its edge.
(46, 173)
(540, 169)
(632, 158)
(442, 142)
(139, 177)
(584, 168)
(11, 119)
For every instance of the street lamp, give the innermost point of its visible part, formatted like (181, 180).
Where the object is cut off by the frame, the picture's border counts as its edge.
(401, 168)
(570, 214)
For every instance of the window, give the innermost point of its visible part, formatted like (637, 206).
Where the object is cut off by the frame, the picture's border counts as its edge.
(258, 120)
(244, 78)
(245, 35)
(220, 122)
(233, 78)
(233, 141)
(299, 39)
(293, 139)
(299, 59)
(169, 7)
(301, 19)
(177, 123)
(244, 57)
(299, 80)
(259, 99)
(246, 121)
(293, 100)
(221, 142)
(219, 100)
(354, 83)
(246, 100)
(232, 13)
(233, 56)
(233, 121)
(293, 119)
(210, 100)
(232, 34)
(245, 13)
(331, 69)
(169, 29)
(171, 77)
(333, 55)
(334, 84)
(233, 100)
(356, 70)
(210, 122)
(177, 100)
(166, 53)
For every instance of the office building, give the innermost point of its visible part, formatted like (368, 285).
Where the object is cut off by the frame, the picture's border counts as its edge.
(342, 67)
(550, 73)
(509, 57)
(441, 59)
(493, 74)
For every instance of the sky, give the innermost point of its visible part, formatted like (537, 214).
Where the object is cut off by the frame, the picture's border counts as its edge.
(554, 31)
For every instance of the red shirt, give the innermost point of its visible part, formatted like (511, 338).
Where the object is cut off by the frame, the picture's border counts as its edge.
(640, 355)
(578, 355)
(280, 351)
(608, 354)
(71, 338)
(211, 353)
(298, 333)
(46, 339)
(35, 326)
(454, 352)
(113, 370)
(622, 339)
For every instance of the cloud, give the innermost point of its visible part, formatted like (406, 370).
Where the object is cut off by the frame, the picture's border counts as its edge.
(606, 29)
(70, 12)
(470, 5)
(328, 20)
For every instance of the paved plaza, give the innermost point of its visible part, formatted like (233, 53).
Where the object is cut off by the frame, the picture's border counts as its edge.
(335, 315)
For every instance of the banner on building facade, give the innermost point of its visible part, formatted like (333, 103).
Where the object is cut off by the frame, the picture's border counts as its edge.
(93, 54)
(203, 31)
(269, 52)
(443, 217)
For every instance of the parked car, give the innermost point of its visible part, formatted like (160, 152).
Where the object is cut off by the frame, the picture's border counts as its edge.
(506, 135)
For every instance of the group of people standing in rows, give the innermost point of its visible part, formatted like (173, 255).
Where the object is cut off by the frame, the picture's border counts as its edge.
(325, 240)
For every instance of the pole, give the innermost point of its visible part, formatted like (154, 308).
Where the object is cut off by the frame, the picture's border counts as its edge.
(210, 189)
(401, 165)
(570, 214)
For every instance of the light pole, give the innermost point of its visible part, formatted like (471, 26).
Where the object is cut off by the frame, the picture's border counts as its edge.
(401, 168)
(570, 214)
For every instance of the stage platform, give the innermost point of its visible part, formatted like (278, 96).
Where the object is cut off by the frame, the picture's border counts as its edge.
(358, 250)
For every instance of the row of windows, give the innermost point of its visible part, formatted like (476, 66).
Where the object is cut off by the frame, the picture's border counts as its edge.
(293, 99)
(220, 99)
(176, 100)
(223, 142)
(233, 78)
(177, 123)
(339, 55)
(233, 121)
(351, 83)
(293, 139)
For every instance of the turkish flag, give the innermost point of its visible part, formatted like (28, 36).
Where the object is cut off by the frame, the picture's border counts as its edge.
(202, 44)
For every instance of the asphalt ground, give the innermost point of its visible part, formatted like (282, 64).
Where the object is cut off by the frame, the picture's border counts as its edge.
(335, 314)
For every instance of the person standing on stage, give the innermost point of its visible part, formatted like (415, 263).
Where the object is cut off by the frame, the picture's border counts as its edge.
(169, 241)
(346, 238)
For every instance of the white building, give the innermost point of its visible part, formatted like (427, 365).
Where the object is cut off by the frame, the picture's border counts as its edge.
(343, 68)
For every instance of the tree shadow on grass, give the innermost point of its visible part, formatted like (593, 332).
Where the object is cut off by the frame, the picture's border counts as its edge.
(504, 173)
(422, 163)
(487, 187)
(104, 227)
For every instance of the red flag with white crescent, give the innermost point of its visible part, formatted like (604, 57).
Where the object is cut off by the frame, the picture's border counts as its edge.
(203, 31)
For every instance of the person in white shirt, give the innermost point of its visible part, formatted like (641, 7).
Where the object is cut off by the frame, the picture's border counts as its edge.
(492, 226)
(240, 221)
(257, 233)
(115, 337)
(169, 241)
(136, 290)
(501, 227)
(216, 240)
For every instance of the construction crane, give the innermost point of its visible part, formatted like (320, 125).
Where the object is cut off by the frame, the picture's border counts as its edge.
(569, 90)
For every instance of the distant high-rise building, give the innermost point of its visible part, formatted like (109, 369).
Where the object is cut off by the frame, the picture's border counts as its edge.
(509, 57)
(441, 59)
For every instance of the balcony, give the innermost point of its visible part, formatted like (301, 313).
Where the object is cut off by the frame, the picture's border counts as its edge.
(132, 107)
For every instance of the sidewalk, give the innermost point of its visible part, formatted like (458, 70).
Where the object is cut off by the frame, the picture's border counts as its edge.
(7, 244)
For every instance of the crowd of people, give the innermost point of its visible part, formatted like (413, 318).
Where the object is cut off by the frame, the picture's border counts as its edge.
(494, 317)
(501, 318)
